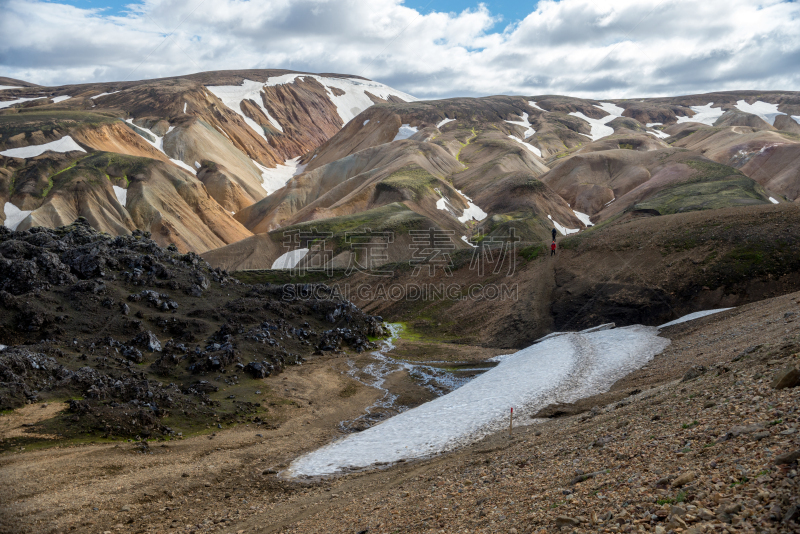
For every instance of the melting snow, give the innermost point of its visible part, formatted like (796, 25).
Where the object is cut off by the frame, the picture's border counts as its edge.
(197, 165)
(122, 194)
(65, 144)
(233, 95)
(599, 128)
(773, 200)
(405, 132)
(186, 104)
(583, 218)
(289, 260)
(467, 241)
(525, 124)
(274, 179)
(527, 145)
(4, 87)
(560, 369)
(472, 211)
(533, 105)
(651, 124)
(158, 144)
(104, 94)
(659, 134)
(14, 216)
(443, 122)
(768, 112)
(562, 229)
(58, 99)
(704, 114)
(9, 103)
(692, 316)
(365, 122)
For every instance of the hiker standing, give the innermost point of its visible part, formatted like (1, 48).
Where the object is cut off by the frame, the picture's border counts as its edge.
(553, 248)
(554, 234)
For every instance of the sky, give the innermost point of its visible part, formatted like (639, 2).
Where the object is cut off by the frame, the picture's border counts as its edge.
(428, 48)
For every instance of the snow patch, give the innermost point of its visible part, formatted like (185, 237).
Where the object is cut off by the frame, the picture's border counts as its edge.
(768, 112)
(703, 114)
(58, 99)
(525, 124)
(4, 87)
(560, 369)
(104, 94)
(14, 216)
(65, 144)
(184, 106)
(405, 132)
(472, 211)
(533, 105)
(9, 103)
(365, 122)
(651, 124)
(233, 95)
(692, 316)
(527, 145)
(274, 179)
(583, 218)
(562, 229)
(122, 194)
(659, 134)
(774, 201)
(289, 260)
(197, 165)
(443, 122)
(599, 128)
(467, 241)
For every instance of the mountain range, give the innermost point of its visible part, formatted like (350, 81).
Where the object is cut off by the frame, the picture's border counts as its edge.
(226, 163)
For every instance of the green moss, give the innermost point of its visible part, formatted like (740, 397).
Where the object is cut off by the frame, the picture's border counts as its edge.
(413, 179)
(717, 186)
(532, 252)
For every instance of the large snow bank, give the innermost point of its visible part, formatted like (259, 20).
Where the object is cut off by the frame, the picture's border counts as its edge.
(559, 369)
(703, 114)
(564, 230)
(274, 179)
(289, 260)
(122, 194)
(405, 132)
(65, 144)
(599, 128)
(766, 111)
(583, 218)
(9, 103)
(693, 316)
(14, 216)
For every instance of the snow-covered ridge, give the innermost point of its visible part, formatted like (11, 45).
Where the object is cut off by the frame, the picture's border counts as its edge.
(348, 105)
(65, 144)
(559, 369)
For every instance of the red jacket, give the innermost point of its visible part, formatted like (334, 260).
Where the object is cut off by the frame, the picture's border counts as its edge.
(553, 246)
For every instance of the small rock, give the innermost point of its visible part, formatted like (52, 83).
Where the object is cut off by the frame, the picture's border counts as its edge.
(683, 479)
(787, 378)
(788, 457)
(693, 372)
(566, 521)
(125, 508)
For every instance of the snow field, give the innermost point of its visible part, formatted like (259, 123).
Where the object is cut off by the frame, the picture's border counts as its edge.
(14, 216)
(274, 179)
(563, 229)
(560, 369)
(405, 132)
(583, 218)
(65, 144)
(704, 114)
(693, 316)
(122, 194)
(768, 112)
(288, 260)
(599, 128)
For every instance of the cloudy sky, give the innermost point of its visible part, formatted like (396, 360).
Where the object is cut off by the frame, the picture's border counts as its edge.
(429, 48)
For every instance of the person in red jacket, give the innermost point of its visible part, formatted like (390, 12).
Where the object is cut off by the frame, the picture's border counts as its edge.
(553, 248)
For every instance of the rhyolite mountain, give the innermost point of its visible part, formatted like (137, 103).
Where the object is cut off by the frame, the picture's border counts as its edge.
(226, 163)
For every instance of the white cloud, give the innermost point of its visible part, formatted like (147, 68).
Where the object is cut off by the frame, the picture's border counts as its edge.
(581, 47)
